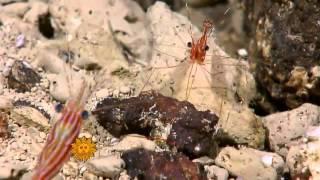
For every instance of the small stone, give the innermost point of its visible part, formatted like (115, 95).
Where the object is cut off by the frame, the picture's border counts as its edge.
(267, 160)
(85, 134)
(42, 135)
(20, 41)
(133, 141)
(204, 160)
(243, 52)
(125, 90)
(217, 173)
(109, 166)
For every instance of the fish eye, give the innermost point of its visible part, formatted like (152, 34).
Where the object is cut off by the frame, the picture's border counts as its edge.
(189, 44)
(84, 114)
(58, 107)
(206, 48)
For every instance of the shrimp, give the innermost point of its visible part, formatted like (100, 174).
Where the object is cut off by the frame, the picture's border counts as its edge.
(64, 132)
(184, 62)
(57, 149)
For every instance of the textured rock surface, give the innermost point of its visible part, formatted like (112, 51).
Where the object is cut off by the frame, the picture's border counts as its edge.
(152, 165)
(303, 160)
(192, 131)
(287, 128)
(285, 42)
(109, 166)
(247, 163)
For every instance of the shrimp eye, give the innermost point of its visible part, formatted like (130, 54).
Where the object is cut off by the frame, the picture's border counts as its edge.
(189, 44)
(84, 114)
(206, 48)
(58, 107)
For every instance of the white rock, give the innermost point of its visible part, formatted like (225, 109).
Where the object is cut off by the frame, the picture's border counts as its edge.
(42, 135)
(204, 160)
(125, 90)
(38, 8)
(217, 173)
(20, 41)
(289, 127)
(267, 160)
(304, 158)
(70, 169)
(243, 52)
(133, 141)
(85, 134)
(246, 163)
(109, 166)
(313, 133)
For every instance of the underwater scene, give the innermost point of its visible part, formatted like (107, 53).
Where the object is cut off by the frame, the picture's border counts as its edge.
(159, 90)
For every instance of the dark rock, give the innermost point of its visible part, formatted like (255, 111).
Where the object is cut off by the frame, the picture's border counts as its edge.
(21, 77)
(145, 164)
(285, 49)
(192, 131)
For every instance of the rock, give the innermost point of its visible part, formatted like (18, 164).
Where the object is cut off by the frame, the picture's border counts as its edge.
(12, 171)
(70, 169)
(304, 160)
(215, 172)
(109, 166)
(247, 163)
(204, 160)
(21, 77)
(160, 165)
(37, 9)
(29, 117)
(313, 133)
(89, 176)
(62, 88)
(287, 128)
(285, 55)
(192, 131)
(5, 106)
(17, 9)
(28, 176)
(134, 141)
(124, 17)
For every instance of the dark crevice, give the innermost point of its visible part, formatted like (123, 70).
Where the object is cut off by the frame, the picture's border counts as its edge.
(45, 26)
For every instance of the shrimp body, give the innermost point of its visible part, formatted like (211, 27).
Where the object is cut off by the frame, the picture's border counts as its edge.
(58, 146)
(199, 47)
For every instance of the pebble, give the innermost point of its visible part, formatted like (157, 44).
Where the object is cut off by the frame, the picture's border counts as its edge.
(243, 52)
(109, 166)
(125, 90)
(42, 135)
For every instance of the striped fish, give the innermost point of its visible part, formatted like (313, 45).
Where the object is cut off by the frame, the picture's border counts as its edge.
(57, 149)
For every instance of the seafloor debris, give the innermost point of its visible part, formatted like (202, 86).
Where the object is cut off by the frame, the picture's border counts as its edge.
(145, 164)
(5, 106)
(192, 131)
(21, 77)
(3, 124)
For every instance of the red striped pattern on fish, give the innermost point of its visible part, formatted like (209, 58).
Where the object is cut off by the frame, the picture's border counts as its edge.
(58, 146)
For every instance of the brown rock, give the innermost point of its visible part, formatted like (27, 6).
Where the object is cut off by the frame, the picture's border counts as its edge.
(285, 38)
(21, 77)
(163, 165)
(192, 130)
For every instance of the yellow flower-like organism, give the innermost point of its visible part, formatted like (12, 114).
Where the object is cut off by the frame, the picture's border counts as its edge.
(83, 149)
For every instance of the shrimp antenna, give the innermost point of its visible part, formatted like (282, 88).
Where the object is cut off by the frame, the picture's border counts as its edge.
(68, 62)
